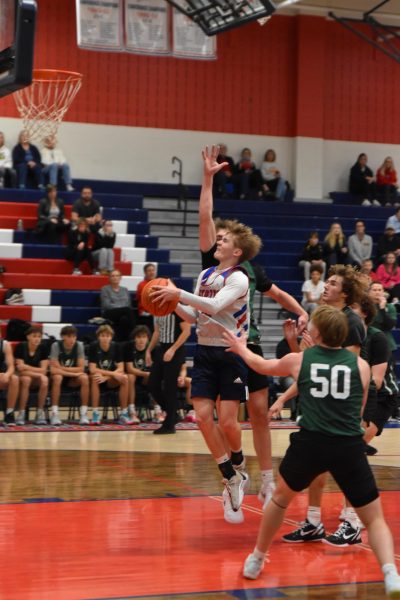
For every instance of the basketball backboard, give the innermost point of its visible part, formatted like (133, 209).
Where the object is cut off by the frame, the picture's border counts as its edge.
(17, 38)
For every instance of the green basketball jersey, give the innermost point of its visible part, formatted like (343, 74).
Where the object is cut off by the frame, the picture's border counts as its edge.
(253, 334)
(330, 391)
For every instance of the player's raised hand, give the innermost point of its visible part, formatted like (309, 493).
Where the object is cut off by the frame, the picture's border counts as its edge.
(211, 166)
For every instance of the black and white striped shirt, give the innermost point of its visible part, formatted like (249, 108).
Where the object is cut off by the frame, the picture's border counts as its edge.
(169, 328)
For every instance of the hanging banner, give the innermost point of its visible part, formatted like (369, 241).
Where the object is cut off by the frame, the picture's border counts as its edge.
(146, 26)
(189, 41)
(99, 25)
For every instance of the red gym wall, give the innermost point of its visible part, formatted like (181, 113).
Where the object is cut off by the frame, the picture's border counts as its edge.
(295, 76)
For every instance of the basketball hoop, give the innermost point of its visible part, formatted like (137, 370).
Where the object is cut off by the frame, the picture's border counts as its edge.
(43, 104)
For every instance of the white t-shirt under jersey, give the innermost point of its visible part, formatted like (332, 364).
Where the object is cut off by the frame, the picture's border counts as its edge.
(221, 302)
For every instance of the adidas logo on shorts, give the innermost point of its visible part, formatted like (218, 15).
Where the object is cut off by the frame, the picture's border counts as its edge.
(238, 380)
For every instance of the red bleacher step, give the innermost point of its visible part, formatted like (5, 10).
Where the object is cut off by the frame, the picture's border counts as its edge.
(54, 282)
(50, 266)
(22, 210)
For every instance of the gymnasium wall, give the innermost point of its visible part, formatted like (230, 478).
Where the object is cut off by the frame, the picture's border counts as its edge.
(302, 85)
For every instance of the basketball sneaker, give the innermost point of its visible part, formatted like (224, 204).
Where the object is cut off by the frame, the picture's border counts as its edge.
(55, 420)
(133, 415)
(235, 488)
(159, 416)
(20, 420)
(40, 417)
(253, 566)
(84, 420)
(307, 532)
(9, 420)
(345, 535)
(242, 469)
(265, 493)
(125, 419)
(392, 585)
(96, 419)
(190, 417)
(230, 515)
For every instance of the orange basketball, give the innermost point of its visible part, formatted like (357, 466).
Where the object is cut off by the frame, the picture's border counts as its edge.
(154, 308)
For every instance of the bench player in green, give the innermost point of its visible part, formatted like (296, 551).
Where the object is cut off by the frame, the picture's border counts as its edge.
(333, 387)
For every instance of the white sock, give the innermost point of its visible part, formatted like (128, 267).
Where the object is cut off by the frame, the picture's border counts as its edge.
(267, 476)
(314, 515)
(389, 569)
(54, 409)
(352, 518)
(83, 410)
(258, 554)
(131, 408)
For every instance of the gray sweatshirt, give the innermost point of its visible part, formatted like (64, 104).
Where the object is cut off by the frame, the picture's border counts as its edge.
(359, 250)
(111, 299)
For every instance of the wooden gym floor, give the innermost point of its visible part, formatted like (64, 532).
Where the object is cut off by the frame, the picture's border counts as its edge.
(95, 515)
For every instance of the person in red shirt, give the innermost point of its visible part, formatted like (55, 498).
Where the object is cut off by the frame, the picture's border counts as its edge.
(388, 275)
(144, 318)
(386, 182)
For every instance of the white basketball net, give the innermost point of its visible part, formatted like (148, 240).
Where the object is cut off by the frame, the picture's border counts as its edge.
(43, 104)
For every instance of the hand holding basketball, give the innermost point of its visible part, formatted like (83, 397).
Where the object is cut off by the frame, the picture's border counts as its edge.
(160, 297)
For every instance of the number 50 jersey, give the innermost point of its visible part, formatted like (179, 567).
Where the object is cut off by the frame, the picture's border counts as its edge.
(330, 391)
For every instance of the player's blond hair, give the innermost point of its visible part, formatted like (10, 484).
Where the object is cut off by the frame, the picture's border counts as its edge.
(244, 239)
(332, 325)
(105, 329)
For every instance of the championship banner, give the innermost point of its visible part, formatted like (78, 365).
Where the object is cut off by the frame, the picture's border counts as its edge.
(99, 25)
(146, 26)
(189, 41)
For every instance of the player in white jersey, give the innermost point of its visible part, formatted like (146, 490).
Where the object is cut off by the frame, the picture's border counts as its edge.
(220, 303)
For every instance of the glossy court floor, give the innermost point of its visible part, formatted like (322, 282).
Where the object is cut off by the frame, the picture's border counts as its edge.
(95, 515)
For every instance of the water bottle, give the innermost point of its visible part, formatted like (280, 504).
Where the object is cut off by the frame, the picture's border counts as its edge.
(20, 225)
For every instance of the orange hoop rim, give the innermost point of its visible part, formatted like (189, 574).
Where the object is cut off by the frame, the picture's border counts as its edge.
(48, 75)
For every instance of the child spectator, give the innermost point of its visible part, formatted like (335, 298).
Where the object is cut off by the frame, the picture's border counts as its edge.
(54, 161)
(27, 161)
(106, 368)
(362, 181)
(51, 217)
(386, 182)
(102, 252)
(88, 208)
(313, 289)
(136, 368)
(312, 255)
(67, 368)
(32, 361)
(78, 246)
(7, 173)
(335, 248)
(8, 381)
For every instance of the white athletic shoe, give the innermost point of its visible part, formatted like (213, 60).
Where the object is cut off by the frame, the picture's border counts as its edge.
(392, 585)
(134, 417)
(242, 469)
(265, 493)
(253, 566)
(235, 487)
(84, 420)
(230, 515)
(55, 420)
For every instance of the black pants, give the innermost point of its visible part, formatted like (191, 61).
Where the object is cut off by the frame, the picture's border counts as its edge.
(163, 381)
(50, 232)
(123, 320)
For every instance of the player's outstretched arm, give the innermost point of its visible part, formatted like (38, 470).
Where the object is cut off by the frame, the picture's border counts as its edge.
(207, 233)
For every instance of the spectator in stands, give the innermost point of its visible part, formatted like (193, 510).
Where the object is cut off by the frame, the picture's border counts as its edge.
(103, 252)
(54, 162)
(386, 182)
(88, 208)
(7, 173)
(388, 274)
(78, 249)
(394, 221)
(116, 307)
(360, 245)
(32, 361)
(388, 242)
(225, 175)
(313, 253)
(272, 182)
(362, 181)
(67, 368)
(335, 248)
(168, 339)
(106, 369)
(8, 381)
(245, 170)
(144, 317)
(367, 270)
(135, 367)
(51, 216)
(27, 161)
(386, 315)
(312, 289)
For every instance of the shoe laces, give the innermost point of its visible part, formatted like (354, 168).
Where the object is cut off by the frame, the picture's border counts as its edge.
(343, 527)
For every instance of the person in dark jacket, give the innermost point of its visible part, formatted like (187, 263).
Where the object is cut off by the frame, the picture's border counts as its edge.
(51, 216)
(313, 253)
(362, 181)
(102, 251)
(27, 161)
(78, 246)
(225, 175)
(388, 242)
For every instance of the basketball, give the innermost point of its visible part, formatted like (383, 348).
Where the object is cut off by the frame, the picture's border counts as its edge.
(154, 308)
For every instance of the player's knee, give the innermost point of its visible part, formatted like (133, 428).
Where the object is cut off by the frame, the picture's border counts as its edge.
(83, 380)
(56, 379)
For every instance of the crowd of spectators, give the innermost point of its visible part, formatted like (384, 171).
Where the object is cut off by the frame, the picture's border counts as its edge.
(27, 166)
(376, 189)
